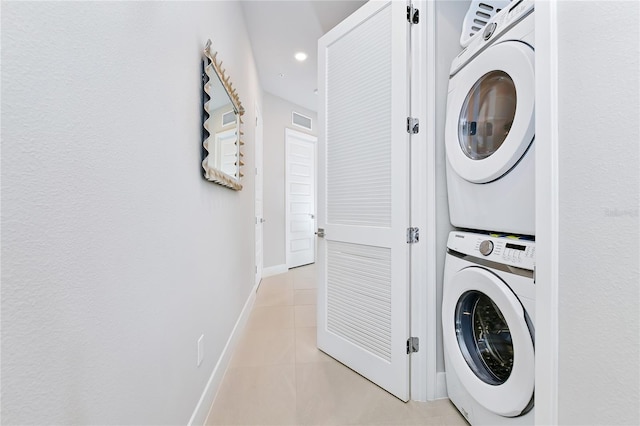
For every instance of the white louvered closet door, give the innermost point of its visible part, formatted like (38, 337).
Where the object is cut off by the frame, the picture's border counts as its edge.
(363, 195)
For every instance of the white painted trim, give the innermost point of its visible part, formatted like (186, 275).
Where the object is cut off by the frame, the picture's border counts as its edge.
(274, 270)
(203, 407)
(441, 385)
(433, 321)
(314, 140)
(547, 218)
(301, 135)
(258, 257)
(423, 254)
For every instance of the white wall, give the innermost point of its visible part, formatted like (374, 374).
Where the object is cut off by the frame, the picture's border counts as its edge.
(277, 117)
(116, 254)
(449, 17)
(599, 187)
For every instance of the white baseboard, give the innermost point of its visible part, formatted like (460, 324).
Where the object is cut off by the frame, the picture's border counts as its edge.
(274, 270)
(441, 385)
(201, 412)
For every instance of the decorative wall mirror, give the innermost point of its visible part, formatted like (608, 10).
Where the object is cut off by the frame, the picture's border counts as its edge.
(222, 119)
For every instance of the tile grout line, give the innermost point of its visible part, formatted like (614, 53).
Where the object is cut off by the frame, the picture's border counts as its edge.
(295, 349)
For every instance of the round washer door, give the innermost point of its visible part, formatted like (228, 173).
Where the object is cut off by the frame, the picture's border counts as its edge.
(487, 341)
(490, 119)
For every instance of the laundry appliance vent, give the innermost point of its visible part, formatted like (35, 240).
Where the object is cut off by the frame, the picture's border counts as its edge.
(479, 13)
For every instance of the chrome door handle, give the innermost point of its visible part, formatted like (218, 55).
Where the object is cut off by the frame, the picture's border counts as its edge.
(320, 232)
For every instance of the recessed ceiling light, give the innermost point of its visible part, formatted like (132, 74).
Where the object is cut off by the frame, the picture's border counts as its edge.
(281, 75)
(301, 56)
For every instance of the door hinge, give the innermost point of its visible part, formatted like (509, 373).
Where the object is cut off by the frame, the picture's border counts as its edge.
(413, 125)
(413, 345)
(413, 15)
(413, 235)
(256, 269)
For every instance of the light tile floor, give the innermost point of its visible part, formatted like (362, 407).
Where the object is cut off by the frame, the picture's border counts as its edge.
(277, 376)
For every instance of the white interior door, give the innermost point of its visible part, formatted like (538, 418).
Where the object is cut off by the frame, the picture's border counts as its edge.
(259, 259)
(363, 194)
(300, 197)
(227, 152)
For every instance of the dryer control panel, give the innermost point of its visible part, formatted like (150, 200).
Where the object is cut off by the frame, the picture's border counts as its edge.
(496, 29)
(508, 250)
(511, 14)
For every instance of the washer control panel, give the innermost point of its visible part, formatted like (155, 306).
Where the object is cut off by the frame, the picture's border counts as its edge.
(510, 250)
(486, 247)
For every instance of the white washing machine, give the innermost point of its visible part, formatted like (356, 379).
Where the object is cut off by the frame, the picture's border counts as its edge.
(488, 316)
(490, 127)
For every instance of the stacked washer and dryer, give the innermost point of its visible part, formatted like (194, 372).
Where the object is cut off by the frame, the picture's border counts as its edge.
(488, 304)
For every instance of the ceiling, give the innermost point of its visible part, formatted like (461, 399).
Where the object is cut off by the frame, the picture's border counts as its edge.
(279, 29)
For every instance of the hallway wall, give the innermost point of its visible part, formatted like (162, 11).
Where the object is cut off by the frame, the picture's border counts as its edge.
(277, 117)
(116, 254)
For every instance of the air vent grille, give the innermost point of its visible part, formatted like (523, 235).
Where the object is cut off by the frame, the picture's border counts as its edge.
(228, 118)
(301, 120)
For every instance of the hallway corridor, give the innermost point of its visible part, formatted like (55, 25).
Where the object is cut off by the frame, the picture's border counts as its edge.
(277, 376)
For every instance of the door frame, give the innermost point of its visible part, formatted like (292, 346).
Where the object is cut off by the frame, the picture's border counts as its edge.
(547, 212)
(425, 383)
(259, 216)
(314, 140)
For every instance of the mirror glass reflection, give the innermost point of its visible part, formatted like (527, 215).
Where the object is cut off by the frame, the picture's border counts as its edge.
(223, 128)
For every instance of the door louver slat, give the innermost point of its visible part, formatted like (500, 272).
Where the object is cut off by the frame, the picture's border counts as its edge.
(359, 125)
(359, 304)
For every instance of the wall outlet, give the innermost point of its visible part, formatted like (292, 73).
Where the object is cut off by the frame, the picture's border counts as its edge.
(200, 349)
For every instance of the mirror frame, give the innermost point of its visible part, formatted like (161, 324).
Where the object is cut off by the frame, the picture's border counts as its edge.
(213, 69)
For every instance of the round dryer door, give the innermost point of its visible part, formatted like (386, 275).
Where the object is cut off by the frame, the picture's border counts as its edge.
(488, 341)
(490, 113)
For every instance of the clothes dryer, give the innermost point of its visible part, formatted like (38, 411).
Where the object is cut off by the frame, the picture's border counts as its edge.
(490, 127)
(488, 316)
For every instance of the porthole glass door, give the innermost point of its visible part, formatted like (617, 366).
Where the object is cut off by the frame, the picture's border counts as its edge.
(484, 337)
(488, 342)
(490, 120)
(487, 115)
